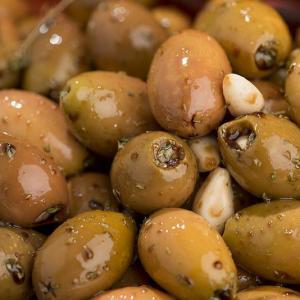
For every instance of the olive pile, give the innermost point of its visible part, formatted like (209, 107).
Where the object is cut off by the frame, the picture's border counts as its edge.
(146, 156)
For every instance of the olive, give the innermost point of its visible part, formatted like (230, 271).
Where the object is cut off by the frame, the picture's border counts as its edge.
(90, 191)
(171, 19)
(125, 25)
(260, 236)
(186, 256)
(185, 84)
(33, 191)
(16, 260)
(55, 56)
(247, 280)
(36, 119)
(154, 170)
(16, 9)
(254, 36)
(142, 293)
(85, 255)
(262, 153)
(104, 107)
(33, 237)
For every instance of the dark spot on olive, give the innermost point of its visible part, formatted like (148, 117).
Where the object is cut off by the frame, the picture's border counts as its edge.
(25, 235)
(122, 142)
(184, 280)
(8, 149)
(87, 253)
(292, 68)
(73, 116)
(15, 270)
(218, 265)
(48, 288)
(134, 156)
(151, 248)
(282, 275)
(116, 194)
(130, 94)
(91, 275)
(225, 294)
(94, 204)
(236, 51)
(266, 56)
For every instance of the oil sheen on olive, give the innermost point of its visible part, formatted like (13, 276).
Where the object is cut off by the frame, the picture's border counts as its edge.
(185, 84)
(16, 260)
(262, 153)
(254, 36)
(38, 120)
(186, 256)
(104, 107)
(33, 190)
(123, 36)
(89, 191)
(154, 170)
(83, 256)
(263, 240)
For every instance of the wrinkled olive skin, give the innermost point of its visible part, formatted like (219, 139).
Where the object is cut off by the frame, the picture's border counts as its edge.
(36, 119)
(185, 84)
(274, 100)
(292, 87)
(121, 24)
(269, 166)
(104, 107)
(9, 41)
(33, 191)
(55, 56)
(186, 256)
(254, 36)
(90, 191)
(154, 170)
(171, 19)
(16, 259)
(260, 237)
(268, 293)
(246, 280)
(141, 293)
(83, 256)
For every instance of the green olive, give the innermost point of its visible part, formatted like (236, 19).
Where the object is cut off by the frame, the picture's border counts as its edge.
(85, 255)
(90, 191)
(104, 107)
(262, 153)
(254, 36)
(185, 84)
(260, 237)
(154, 170)
(186, 256)
(123, 36)
(16, 260)
(55, 56)
(33, 191)
(34, 238)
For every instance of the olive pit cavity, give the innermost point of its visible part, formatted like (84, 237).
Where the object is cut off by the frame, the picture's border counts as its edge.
(266, 56)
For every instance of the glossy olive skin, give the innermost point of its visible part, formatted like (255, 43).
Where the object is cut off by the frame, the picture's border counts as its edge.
(171, 19)
(268, 166)
(254, 36)
(38, 120)
(246, 280)
(268, 293)
(104, 107)
(185, 84)
(122, 24)
(154, 170)
(142, 293)
(270, 231)
(95, 249)
(186, 256)
(33, 189)
(292, 87)
(56, 55)
(90, 191)
(9, 42)
(34, 238)
(16, 259)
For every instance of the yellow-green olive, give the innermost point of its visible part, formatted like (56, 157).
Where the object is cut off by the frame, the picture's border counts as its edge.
(185, 84)
(55, 56)
(141, 293)
(36, 119)
(254, 36)
(262, 153)
(154, 170)
(260, 237)
(85, 255)
(34, 238)
(90, 191)
(33, 191)
(123, 36)
(268, 293)
(292, 86)
(104, 107)
(171, 19)
(186, 256)
(16, 260)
